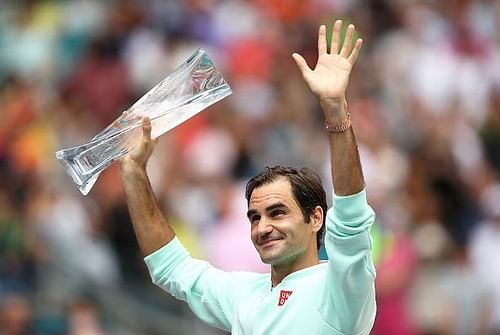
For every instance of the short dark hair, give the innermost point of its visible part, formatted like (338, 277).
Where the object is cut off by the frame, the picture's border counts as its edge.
(307, 190)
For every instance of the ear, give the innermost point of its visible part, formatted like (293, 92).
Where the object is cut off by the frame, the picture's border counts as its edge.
(316, 219)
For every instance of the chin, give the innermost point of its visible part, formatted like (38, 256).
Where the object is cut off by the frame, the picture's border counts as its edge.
(272, 259)
(267, 259)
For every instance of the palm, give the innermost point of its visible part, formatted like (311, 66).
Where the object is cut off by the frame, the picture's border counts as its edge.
(330, 76)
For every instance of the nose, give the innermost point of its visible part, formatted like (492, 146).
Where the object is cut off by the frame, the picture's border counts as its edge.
(264, 227)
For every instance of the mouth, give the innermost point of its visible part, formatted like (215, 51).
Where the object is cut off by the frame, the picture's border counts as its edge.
(269, 242)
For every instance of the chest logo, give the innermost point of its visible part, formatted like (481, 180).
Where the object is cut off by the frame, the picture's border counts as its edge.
(284, 295)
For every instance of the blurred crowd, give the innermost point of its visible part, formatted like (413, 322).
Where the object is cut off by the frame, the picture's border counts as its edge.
(425, 104)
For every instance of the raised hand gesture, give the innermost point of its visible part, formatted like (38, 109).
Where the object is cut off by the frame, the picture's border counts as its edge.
(329, 79)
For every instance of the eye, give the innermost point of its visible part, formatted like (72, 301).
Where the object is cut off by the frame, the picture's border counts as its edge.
(276, 213)
(254, 219)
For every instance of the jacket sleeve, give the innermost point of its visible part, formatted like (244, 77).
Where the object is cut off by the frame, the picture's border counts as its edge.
(209, 292)
(348, 304)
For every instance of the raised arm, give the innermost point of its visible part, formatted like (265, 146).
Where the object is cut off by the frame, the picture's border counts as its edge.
(151, 228)
(328, 82)
(348, 302)
(209, 292)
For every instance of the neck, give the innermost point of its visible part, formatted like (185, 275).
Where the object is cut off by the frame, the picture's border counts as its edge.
(280, 271)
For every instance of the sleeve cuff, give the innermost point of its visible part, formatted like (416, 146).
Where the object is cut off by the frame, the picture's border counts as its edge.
(166, 257)
(350, 215)
(349, 207)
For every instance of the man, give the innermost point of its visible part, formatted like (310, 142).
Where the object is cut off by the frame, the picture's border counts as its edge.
(286, 210)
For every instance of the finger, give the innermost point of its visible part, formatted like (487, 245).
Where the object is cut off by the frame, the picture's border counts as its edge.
(355, 52)
(146, 128)
(322, 40)
(301, 63)
(346, 48)
(336, 37)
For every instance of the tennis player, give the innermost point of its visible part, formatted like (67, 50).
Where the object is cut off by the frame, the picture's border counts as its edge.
(287, 213)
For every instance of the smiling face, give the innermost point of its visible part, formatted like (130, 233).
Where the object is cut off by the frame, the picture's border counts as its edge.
(279, 230)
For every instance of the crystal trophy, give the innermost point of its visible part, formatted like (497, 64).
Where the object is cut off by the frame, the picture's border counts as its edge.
(192, 87)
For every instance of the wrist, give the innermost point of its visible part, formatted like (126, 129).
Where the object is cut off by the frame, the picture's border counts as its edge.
(338, 127)
(129, 167)
(334, 109)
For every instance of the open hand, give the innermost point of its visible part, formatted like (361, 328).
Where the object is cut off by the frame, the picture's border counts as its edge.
(329, 79)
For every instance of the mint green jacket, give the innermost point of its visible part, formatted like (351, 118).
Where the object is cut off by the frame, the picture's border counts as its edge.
(333, 297)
